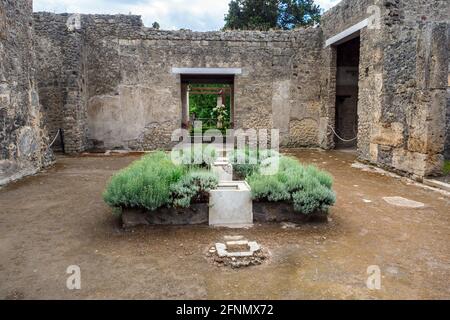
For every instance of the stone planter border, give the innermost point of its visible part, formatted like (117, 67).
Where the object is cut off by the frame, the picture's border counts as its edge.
(198, 213)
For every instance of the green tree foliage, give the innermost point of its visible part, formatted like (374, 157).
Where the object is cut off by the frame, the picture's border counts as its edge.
(202, 105)
(155, 25)
(268, 14)
(298, 13)
(252, 14)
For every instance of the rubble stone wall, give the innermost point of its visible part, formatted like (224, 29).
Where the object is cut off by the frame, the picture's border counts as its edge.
(61, 76)
(23, 138)
(447, 141)
(133, 100)
(403, 82)
(107, 80)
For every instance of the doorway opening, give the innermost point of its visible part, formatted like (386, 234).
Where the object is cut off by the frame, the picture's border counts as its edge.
(347, 78)
(209, 100)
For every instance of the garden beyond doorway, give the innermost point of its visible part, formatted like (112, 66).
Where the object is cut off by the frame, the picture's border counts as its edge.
(207, 103)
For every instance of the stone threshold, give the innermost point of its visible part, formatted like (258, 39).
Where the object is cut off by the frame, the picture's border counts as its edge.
(431, 184)
(437, 184)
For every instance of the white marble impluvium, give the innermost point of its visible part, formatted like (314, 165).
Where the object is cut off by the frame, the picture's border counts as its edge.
(223, 168)
(230, 205)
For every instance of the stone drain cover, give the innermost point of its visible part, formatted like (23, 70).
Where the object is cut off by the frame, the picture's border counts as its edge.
(403, 202)
(237, 252)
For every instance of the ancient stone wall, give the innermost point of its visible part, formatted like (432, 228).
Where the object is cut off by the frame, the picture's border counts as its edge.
(23, 141)
(61, 52)
(132, 99)
(335, 21)
(414, 96)
(107, 80)
(402, 92)
(447, 141)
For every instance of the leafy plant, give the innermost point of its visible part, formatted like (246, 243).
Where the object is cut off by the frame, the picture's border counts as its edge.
(306, 187)
(201, 106)
(193, 187)
(155, 181)
(220, 114)
(245, 162)
(248, 161)
(145, 183)
(196, 155)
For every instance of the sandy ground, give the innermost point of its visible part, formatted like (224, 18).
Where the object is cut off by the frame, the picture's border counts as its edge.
(58, 218)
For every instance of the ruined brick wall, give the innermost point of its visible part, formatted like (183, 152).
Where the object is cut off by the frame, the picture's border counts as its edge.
(50, 66)
(23, 141)
(402, 93)
(107, 80)
(447, 141)
(132, 100)
(414, 96)
(135, 100)
(61, 52)
(334, 21)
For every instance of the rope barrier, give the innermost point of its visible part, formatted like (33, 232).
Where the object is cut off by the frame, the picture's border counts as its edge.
(340, 138)
(54, 140)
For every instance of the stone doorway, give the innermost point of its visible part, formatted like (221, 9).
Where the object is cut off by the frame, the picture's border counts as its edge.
(347, 78)
(218, 87)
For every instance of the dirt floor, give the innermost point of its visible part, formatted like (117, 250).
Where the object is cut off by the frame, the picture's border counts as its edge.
(57, 219)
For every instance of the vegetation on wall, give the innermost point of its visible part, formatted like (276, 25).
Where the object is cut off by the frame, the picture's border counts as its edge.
(446, 169)
(271, 14)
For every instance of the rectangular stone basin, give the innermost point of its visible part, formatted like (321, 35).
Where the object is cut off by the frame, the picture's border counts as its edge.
(223, 169)
(230, 205)
(228, 188)
(238, 246)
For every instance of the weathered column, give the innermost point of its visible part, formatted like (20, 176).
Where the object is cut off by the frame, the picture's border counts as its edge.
(75, 109)
(23, 138)
(184, 105)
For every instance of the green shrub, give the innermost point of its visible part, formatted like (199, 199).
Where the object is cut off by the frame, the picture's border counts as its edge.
(269, 188)
(193, 187)
(307, 188)
(145, 183)
(316, 197)
(197, 155)
(155, 181)
(248, 161)
(323, 177)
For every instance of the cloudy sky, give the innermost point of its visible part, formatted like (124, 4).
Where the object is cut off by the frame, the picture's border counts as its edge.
(199, 15)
